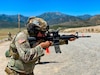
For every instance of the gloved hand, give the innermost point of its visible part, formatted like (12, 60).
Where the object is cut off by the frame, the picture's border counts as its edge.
(72, 39)
(46, 44)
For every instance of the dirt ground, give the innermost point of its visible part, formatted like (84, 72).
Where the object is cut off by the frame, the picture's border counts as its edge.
(3, 60)
(79, 57)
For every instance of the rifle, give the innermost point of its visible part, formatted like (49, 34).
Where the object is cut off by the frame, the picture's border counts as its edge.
(54, 36)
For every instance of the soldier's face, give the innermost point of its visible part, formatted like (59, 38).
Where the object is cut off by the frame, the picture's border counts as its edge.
(41, 34)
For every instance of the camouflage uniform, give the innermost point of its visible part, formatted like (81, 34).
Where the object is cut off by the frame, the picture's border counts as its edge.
(23, 57)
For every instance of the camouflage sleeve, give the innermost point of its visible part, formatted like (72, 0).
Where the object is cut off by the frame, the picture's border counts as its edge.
(26, 53)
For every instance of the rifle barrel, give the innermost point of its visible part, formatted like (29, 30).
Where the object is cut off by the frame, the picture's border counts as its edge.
(84, 36)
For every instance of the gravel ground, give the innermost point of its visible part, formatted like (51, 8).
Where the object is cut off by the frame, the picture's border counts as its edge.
(79, 57)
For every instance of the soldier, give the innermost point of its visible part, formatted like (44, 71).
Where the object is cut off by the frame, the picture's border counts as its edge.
(9, 36)
(23, 54)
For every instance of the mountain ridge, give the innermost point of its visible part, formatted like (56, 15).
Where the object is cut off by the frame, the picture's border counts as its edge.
(53, 18)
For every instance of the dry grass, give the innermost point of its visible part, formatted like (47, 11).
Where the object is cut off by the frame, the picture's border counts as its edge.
(4, 32)
(92, 29)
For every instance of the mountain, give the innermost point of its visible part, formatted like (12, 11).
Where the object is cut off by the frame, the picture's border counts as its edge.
(13, 18)
(57, 17)
(53, 19)
(84, 17)
(95, 20)
(87, 21)
(63, 20)
(51, 15)
(10, 21)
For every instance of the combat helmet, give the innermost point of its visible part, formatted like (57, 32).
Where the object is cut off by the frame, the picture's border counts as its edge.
(36, 24)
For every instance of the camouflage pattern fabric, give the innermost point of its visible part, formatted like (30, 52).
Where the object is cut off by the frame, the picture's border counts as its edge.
(7, 53)
(38, 22)
(12, 72)
(23, 57)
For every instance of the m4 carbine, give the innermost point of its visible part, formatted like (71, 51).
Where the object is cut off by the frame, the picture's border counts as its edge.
(55, 37)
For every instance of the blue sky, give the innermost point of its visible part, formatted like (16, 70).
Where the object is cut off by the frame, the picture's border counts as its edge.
(37, 7)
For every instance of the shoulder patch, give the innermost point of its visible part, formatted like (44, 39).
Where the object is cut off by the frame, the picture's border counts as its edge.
(21, 41)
